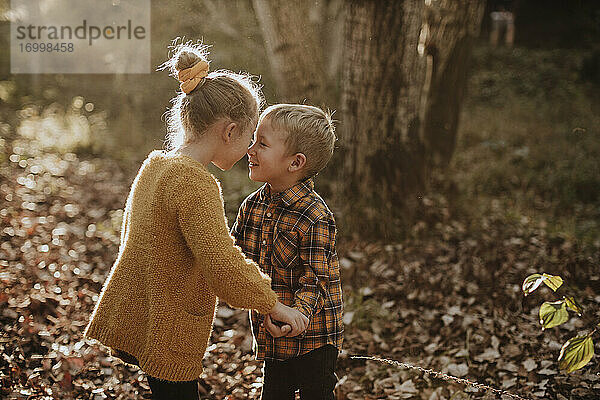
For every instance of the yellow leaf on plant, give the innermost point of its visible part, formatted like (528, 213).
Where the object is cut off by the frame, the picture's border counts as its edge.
(576, 353)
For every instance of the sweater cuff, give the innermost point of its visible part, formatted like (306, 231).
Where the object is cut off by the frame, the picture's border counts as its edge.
(266, 306)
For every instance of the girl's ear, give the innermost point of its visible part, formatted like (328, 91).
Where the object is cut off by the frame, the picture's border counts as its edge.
(229, 132)
(298, 162)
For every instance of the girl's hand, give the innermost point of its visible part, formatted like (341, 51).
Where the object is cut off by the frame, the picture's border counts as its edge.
(294, 318)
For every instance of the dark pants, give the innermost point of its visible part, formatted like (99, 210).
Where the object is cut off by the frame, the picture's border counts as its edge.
(167, 390)
(313, 373)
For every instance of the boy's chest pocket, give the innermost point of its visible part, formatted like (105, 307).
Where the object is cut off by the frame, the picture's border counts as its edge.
(285, 249)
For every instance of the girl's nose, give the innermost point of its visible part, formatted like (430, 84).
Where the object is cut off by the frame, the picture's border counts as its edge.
(251, 149)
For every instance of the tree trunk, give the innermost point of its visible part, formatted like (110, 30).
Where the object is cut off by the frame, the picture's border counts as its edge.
(452, 27)
(383, 79)
(296, 47)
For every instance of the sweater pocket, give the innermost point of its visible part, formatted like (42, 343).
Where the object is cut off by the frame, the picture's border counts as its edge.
(190, 333)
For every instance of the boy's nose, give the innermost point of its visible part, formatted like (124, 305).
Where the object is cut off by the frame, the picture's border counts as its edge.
(251, 149)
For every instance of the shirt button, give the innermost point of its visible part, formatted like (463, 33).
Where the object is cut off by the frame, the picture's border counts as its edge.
(269, 214)
(264, 242)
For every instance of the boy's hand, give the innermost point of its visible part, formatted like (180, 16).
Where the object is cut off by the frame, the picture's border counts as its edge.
(297, 321)
(274, 329)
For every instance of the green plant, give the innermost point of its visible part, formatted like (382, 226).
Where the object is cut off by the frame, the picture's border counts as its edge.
(578, 350)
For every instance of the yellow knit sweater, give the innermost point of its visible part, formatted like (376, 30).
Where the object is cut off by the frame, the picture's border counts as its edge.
(176, 257)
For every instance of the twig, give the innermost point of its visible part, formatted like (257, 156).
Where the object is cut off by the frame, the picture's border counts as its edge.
(440, 375)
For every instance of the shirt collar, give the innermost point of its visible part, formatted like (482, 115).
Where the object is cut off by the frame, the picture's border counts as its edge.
(290, 195)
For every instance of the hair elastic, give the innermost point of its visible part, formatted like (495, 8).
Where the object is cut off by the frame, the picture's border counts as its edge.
(191, 77)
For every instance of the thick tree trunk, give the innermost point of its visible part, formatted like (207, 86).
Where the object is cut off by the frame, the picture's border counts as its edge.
(452, 25)
(383, 79)
(292, 34)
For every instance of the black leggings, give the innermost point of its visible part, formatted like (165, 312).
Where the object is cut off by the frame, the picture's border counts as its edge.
(167, 390)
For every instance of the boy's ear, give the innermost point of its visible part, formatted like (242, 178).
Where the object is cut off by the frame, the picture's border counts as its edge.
(228, 131)
(298, 162)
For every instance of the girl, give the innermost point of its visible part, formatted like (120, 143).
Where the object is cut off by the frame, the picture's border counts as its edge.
(176, 256)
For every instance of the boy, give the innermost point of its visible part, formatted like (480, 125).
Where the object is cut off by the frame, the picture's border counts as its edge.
(287, 228)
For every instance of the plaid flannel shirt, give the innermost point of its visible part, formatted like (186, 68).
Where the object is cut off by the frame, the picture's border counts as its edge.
(291, 235)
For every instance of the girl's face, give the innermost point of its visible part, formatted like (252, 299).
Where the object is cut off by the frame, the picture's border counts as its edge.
(236, 146)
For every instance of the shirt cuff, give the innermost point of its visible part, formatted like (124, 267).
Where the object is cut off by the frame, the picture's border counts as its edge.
(307, 311)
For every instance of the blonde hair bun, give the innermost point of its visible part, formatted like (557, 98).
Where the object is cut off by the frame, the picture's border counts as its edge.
(184, 55)
(187, 59)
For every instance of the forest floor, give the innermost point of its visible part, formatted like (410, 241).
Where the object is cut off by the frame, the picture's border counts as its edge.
(446, 298)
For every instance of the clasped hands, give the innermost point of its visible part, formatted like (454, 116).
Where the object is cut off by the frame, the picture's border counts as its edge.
(294, 321)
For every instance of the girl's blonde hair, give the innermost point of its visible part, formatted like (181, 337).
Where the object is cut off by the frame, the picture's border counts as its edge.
(221, 94)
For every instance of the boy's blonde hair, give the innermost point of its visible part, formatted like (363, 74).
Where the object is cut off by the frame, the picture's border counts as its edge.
(220, 94)
(309, 130)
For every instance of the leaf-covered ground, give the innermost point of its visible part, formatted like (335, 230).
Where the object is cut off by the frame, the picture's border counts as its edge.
(448, 299)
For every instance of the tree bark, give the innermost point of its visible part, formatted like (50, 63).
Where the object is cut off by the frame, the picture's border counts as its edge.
(452, 26)
(383, 79)
(297, 38)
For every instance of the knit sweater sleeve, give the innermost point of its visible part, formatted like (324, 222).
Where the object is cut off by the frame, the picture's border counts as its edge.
(201, 218)
(236, 229)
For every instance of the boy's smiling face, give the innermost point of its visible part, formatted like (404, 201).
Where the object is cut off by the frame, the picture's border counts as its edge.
(267, 159)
